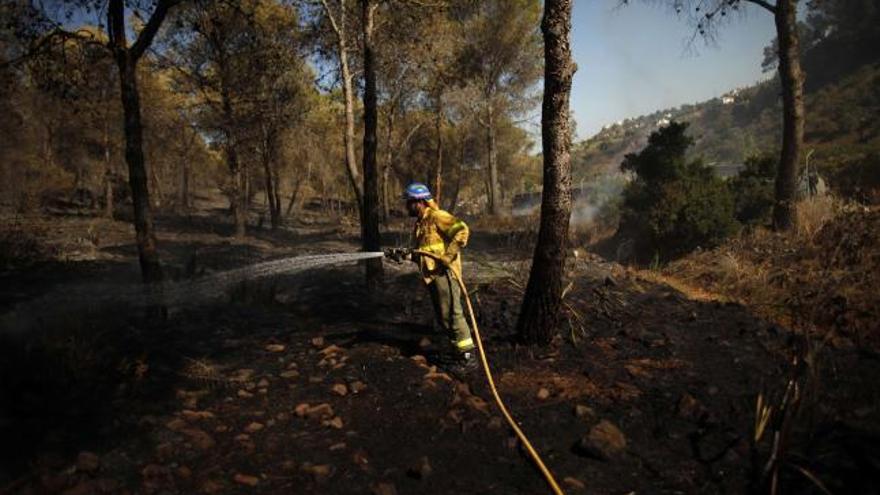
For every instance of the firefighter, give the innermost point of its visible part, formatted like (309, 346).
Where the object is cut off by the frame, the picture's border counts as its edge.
(439, 232)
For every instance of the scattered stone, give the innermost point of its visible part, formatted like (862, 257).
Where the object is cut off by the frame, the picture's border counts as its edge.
(87, 462)
(318, 342)
(336, 422)
(421, 470)
(425, 342)
(357, 386)
(337, 446)
(242, 437)
(316, 379)
(437, 375)
(282, 417)
(320, 472)
(384, 488)
(176, 424)
(246, 479)
(289, 374)
(495, 423)
(156, 478)
(191, 415)
(543, 394)
(360, 459)
(244, 394)
(211, 486)
(690, 408)
(604, 441)
(263, 383)
(331, 350)
(340, 389)
(184, 473)
(420, 360)
(199, 438)
(221, 429)
(243, 375)
(574, 483)
(301, 409)
(86, 487)
(254, 427)
(584, 412)
(275, 348)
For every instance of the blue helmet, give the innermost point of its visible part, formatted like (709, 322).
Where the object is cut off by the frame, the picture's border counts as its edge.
(418, 191)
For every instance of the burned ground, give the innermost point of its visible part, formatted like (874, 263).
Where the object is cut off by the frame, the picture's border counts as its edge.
(307, 384)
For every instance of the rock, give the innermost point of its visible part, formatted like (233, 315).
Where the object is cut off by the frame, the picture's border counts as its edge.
(183, 473)
(318, 342)
(419, 360)
(690, 408)
(584, 412)
(384, 488)
(421, 470)
(244, 394)
(243, 375)
(437, 375)
(338, 446)
(604, 441)
(242, 437)
(543, 394)
(263, 383)
(495, 423)
(301, 409)
(331, 350)
(87, 462)
(176, 424)
(320, 411)
(86, 487)
(246, 479)
(319, 472)
(211, 486)
(361, 460)
(340, 389)
(191, 415)
(156, 477)
(254, 427)
(199, 438)
(275, 348)
(336, 422)
(574, 483)
(425, 342)
(357, 386)
(289, 374)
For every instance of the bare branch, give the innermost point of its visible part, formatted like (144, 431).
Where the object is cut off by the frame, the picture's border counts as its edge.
(149, 32)
(766, 5)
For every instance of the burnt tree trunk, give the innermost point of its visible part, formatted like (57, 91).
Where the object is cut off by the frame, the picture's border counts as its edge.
(494, 189)
(371, 239)
(438, 152)
(237, 199)
(539, 316)
(108, 173)
(792, 78)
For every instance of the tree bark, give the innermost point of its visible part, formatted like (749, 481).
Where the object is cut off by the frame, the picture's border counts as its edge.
(539, 316)
(438, 153)
(792, 79)
(237, 199)
(494, 189)
(148, 254)
(108, 173)
(371, 239)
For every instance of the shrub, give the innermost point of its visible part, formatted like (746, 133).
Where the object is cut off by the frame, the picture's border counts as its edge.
(859, 179)
(673, 205)
(753, 189)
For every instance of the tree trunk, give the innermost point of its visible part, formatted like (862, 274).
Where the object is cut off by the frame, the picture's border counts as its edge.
(494, 190)
(148, 254)
(455, 191)
(237, 199)
(792, 78)
(108, 173)
(539, 316)
(386, 166)
(438, 154)
(371, 239)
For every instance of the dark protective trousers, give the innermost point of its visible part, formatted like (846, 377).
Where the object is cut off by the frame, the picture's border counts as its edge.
(446, 297)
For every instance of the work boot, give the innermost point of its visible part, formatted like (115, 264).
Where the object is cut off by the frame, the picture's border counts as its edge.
(464, 364)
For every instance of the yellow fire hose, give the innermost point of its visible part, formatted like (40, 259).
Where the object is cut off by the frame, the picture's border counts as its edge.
(519, 433)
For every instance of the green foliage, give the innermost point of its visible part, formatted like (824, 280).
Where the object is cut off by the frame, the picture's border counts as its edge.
(673, 205)
(753, 189)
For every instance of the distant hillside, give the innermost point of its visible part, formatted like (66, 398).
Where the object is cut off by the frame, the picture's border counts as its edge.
(841, 123)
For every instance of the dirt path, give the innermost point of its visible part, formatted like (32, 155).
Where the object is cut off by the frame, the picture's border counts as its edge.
(306, 384)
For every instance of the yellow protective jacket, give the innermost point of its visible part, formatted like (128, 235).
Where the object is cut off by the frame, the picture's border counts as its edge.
(433, 232)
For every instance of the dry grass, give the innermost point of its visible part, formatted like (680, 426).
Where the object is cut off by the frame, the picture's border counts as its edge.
(821, 278)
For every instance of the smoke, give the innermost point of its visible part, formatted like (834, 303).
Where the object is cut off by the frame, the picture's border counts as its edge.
(593, 200)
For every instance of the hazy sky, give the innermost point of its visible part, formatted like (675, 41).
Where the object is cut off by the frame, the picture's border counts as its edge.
(633, 60)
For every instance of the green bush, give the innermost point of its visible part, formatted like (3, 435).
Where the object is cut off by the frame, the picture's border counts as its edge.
(753, 189)
(858, 179)
(673, 206)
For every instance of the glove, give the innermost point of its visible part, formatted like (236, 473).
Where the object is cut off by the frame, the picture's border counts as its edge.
(451, 252)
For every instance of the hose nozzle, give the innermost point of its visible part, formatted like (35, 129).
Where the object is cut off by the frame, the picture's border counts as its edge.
(398, 254)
